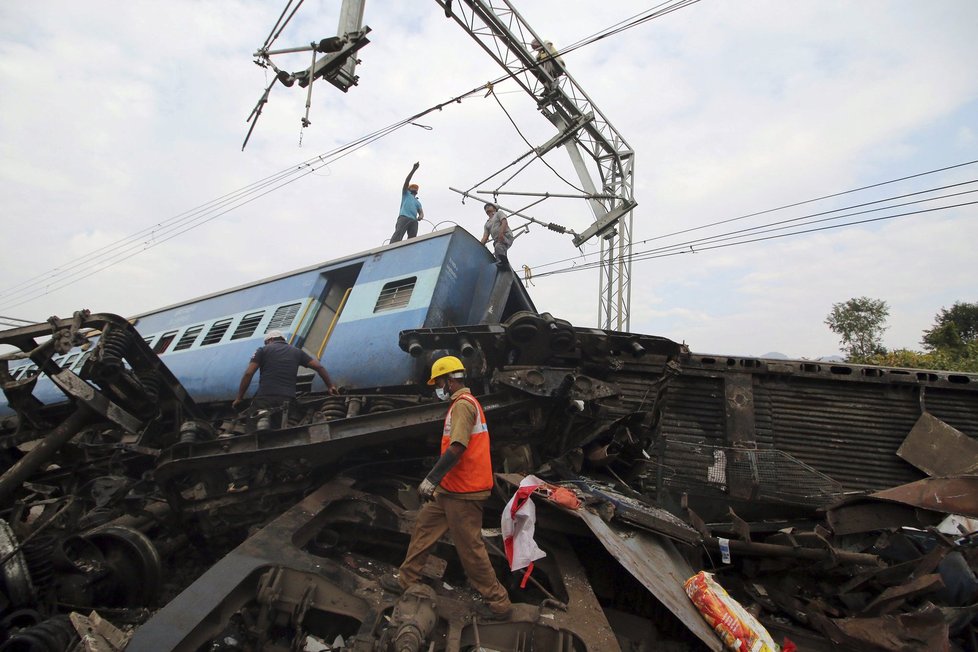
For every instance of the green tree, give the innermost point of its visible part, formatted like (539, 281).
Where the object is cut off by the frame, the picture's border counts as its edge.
(860, 324)
(953, 329)
(965, 359)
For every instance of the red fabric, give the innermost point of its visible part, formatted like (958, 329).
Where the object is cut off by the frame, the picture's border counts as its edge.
(518, 523)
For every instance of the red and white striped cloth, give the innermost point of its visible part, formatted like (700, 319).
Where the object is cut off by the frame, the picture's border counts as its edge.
(518, 523)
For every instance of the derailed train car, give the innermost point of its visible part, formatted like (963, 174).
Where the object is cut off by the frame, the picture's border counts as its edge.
(138, 502)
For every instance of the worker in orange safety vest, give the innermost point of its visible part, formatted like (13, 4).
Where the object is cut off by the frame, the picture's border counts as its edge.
(454, 492)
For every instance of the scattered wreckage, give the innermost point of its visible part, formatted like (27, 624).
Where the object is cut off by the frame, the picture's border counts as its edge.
(135, 518)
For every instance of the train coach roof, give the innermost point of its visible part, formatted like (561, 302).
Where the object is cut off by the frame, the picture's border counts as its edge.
(444, 233)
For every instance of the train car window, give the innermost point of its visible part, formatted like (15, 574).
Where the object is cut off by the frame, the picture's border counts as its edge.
(164, 342)
(283, 317)
(216, 332)
(149, 340)
(248, 325)
(395, 294)
(189, 336)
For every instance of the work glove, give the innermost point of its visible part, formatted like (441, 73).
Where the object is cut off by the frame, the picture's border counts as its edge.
(426, 489)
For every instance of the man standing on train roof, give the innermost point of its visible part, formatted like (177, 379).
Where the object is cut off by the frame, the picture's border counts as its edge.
(454, 492)
(411, 211)
(497, 228)
(279, 363)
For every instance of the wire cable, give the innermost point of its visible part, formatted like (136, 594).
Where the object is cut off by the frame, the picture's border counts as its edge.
(809, 201)
(530, 145)
(149, 237)
(162, 231)
(653, 254)
(800, 203)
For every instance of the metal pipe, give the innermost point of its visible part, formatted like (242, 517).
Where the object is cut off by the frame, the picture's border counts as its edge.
(516, 213)
(38, 530)
(533, 580)
(546, 194)
(774, 550)
(301, 48)
(27, 465)
(312, 75)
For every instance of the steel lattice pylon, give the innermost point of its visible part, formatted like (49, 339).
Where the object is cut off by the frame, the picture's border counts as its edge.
(506, 36)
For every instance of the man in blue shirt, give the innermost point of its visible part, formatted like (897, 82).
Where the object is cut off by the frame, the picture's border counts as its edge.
(278, 362)
(411, 212)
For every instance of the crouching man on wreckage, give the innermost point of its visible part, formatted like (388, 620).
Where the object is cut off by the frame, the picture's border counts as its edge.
(454, 492)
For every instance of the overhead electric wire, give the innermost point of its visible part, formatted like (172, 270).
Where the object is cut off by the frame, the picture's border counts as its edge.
(664, 252)
(160, 232)
(125, 248)
(801, 203)
(149, 237)
(273, 35)
(793, 223)
(530, 145)
(783, 235)
(616, 28)
(809, 201)
(809, 219)
(25, 321)
(649, 14)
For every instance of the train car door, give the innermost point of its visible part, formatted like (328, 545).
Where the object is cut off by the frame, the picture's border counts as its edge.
(339, 283)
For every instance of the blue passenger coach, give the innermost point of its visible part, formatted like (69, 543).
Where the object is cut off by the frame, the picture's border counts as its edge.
(347, 312)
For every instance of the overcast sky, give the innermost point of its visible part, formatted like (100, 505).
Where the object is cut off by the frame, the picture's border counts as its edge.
(117, 116)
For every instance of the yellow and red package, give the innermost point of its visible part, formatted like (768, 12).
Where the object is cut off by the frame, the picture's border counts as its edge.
(737, 628)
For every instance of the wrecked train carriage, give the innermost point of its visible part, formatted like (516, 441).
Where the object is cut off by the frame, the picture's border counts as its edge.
(346, 312)
(117, 497)
(757, 433)
(593, 408)
(629, 419)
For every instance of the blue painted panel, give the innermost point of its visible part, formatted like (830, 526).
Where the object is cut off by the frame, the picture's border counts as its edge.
(454, 276)
(363, 298)
(242, 300)
(365, 353)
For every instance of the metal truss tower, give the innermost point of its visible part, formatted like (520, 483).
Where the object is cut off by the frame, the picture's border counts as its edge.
(503, 33)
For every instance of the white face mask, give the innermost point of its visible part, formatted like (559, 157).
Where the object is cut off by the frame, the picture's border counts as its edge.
(442, 393)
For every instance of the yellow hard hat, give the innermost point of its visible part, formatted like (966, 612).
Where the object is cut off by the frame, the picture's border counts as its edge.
(445, 365)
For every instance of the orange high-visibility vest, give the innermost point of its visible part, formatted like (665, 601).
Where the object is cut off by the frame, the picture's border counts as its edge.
(473, 472)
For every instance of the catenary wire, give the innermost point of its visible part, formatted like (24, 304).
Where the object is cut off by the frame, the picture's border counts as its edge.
(653, 254)
(810, 219)
(809, 201)
(127, 247)
(801, 203)
(160, 232)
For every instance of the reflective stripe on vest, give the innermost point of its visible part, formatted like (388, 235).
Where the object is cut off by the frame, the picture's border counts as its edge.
(473, 472)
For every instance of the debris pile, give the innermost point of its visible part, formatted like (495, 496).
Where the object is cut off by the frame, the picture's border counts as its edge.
(132, 516)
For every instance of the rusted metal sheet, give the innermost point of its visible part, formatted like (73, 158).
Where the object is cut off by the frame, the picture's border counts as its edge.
(946, 495)
(923, 630)
(641, 514)
(655, 562)
(846, 421)
(893, 597)
(847, 431)
(738, 398)
(938, 449)
(869, 516)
